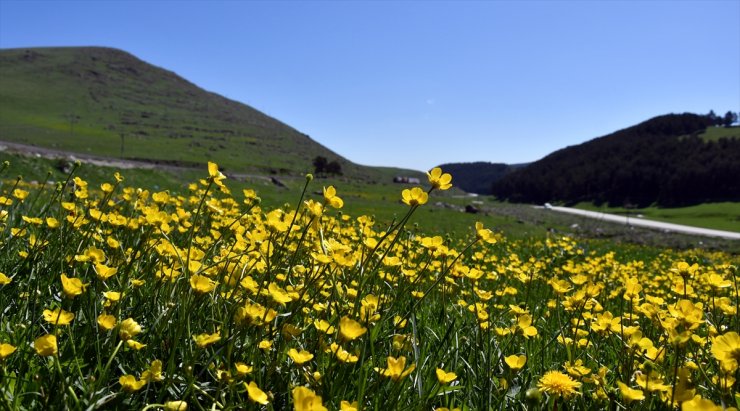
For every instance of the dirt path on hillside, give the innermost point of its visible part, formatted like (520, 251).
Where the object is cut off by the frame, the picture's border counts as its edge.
(118, 163)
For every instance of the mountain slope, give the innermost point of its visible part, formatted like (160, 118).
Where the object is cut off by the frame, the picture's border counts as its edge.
(479, 176)
(663, 161)
(107, 102)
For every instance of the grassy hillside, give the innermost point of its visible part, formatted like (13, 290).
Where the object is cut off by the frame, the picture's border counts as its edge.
(107, 102)
(717, 133)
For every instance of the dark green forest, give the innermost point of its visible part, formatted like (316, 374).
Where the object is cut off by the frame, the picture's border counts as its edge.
(477, 177)
(667, 161)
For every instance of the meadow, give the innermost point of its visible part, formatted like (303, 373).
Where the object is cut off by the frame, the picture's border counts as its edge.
(121, 296)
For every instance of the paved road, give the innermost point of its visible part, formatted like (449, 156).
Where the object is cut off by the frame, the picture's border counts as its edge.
(641, 222)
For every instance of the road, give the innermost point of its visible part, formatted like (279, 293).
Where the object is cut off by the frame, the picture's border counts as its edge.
(641, 222)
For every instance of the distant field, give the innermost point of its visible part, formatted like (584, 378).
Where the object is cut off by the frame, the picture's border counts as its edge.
(442, 215)
(718, 216)
(716, 133)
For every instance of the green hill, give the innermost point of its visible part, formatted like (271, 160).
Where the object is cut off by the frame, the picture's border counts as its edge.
(666, 161)
(107, 102)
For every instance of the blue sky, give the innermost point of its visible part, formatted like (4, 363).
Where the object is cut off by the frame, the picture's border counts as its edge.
(416, 84)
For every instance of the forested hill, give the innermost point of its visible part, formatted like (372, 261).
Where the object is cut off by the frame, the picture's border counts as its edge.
(477, 177)
(670, 160)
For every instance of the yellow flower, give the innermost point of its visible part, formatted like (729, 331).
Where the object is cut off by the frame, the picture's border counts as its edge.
(154, 373)
(4, 279)
(700, 404)
(300, 357)
(524, 324)
(72, 287)
(130, 384)
(651, 382)
(256, 394)
(396, 368)
(215, 175)
(516, 362)
(304, 399)
(439, 180)
(58, 317)
(445, 377)
(265, 345)
(630, 394)
(414, 197)
(204, 340)
(557, 384)
(484, 234)
(726, 349)
(133, 344)
(350, 329)
(106, 321)
(330, 195)
(175, 406)
(348, 406)
(112, 296)
(52, 222)
(104, 272)
(202, 284)
(20, 194)
(129, 329)
(243, 369)
(5, 350)
(46, 345)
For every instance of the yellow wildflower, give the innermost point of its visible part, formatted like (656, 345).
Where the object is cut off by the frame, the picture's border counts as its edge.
(202, 284)
(5, 350)
(46, 345)
(350, 329)
(204, 340)
(175, 406)
(304, 399)
(557, 384)
(445, 377)
(726, 349)
(256, 394)
(630, 394)
(154, 373)
(299, 357)
(414, 197)
(439, 180)
(330, 195)
(129, 383)
(106, 321)
(515, 362)
(58, 316)
(72, 287)
(129, 329)
(396, 368)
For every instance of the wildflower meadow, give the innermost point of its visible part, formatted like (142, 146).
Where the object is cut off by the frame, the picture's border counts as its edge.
(118, 297)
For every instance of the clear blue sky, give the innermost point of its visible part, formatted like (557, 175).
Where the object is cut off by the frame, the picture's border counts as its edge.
(418, 83)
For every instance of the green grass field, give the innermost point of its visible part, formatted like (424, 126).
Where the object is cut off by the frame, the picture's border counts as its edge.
(718, 216)
(716, 133)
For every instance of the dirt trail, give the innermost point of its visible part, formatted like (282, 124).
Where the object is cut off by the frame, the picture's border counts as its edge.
(119, 163)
